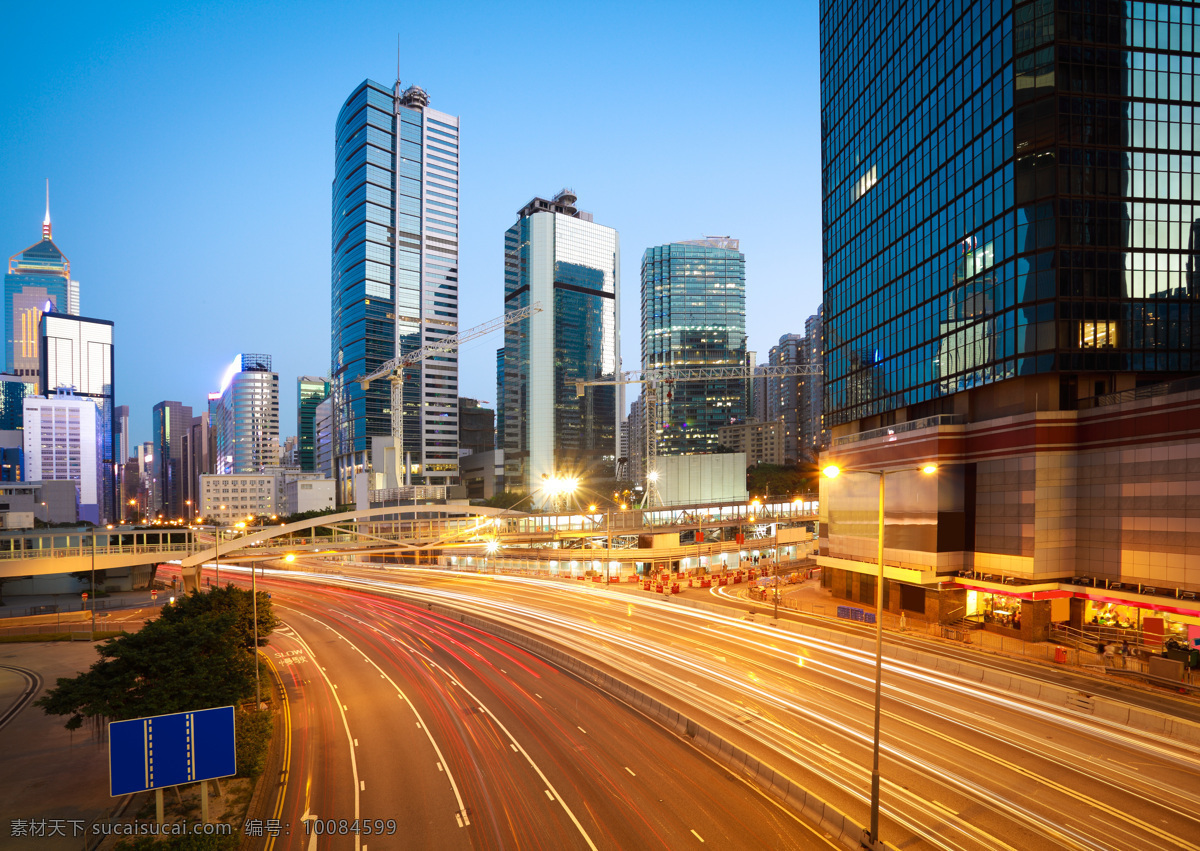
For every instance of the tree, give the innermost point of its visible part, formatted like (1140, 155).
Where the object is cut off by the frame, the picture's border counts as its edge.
(507, 499)
(165, 667)
(231, 600)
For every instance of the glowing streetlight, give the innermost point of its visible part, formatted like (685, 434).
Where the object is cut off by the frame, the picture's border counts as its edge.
(289, 558)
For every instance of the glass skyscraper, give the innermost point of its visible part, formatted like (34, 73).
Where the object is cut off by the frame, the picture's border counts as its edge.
(310, 392)
(394, 278)
(38, 281)
(694, 315)
(244, 417)
(1010, 204)
(557, 255)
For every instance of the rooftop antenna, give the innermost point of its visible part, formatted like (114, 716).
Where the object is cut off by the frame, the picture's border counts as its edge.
(397, 57)
(46, 221)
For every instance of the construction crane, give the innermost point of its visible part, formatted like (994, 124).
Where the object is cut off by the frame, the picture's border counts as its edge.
(393, 371)
(669, 375)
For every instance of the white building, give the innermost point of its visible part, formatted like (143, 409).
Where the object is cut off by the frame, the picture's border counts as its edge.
(63, 441)
(308, 494)
(231, 497)
(244, 416)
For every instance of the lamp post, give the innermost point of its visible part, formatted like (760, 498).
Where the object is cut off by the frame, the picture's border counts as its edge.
(93, 600)
(871, 840)
(254, 594)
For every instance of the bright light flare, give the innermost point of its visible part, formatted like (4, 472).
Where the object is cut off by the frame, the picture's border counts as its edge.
(832, 471)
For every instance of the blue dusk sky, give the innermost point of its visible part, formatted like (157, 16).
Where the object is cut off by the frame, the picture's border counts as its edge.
(190, 157)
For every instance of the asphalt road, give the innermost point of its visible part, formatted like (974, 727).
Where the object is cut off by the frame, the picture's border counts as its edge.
(963, 766)
(444, 736)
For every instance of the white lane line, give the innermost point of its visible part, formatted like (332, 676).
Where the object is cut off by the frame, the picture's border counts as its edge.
(538, 696)
(362, 785)
(356, 743)
(514, 747)
(462, 808)
(344, 706)
(580, 729)
(349, 738)
(698, 836)
(630, 770)
(548, 795)
(458, 817)
(440, 767)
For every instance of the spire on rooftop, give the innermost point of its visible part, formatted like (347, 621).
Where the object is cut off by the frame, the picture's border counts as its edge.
(46, 221)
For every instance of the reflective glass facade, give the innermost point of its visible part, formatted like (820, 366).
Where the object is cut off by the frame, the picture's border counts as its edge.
(394, 276)
(39, 275)
(1009, 192)
(78, 353)
(244, 417)
(571, 265)
(693, 315)
(310, 392)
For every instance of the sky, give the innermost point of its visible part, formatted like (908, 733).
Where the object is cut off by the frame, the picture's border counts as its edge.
(190, 158)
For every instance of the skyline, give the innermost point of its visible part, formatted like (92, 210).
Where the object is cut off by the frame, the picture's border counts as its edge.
(166, 216)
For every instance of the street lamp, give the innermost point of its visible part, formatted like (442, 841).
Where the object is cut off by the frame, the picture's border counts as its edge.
(832, 471)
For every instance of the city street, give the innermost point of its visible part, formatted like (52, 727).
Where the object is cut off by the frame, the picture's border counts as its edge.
(963, 766)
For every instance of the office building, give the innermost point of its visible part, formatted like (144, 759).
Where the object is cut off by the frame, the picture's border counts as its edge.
(245, 416)
(694, 315)
(38, 281)
(394, 281)
(310, 392)
(323, 446)
(556, 255)
(172, 425)
(476, 427)
(229, 498)
(812, 434)
(63, 441)
(78, 353)
(783, 391)
(199, 455)
(760, 442)
(1010, 246)
(309, 493)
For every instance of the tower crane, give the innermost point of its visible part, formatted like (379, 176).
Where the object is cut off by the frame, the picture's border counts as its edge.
(653, 378)
(393, 370)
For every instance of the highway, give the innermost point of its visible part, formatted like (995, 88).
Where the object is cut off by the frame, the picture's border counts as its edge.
(446, 737)
(963, 766)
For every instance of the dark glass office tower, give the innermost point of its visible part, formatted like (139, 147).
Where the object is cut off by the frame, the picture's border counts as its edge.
(394, 279)
(310, 392)
(1010, 204)
(694, 315)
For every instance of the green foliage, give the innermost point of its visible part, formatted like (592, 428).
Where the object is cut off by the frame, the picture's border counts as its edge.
(238, 602)
(507, 499)
(165, 667)
(252, 735)
(769, 481)
(308, 515)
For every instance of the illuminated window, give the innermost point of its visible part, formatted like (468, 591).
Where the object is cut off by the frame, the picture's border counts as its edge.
(1097, 335)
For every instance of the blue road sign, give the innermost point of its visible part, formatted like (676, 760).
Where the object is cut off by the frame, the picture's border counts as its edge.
(167, 750)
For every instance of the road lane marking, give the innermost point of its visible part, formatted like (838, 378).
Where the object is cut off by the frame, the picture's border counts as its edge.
(698, 836)
(458, 816)
(514, 747)
(400, 693)
(538, 696)
(630, 770)
(349, 738)
(580, 729)
(439, 765)
(548, 795)
(362, 785)
(943, 807)
(356, 743)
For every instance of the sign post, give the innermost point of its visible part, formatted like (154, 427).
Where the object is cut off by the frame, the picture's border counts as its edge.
(170, 750)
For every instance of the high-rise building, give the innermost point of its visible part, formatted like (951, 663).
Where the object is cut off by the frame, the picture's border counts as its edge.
(310, 392)
(558, 256)
(63, 440)
(199, 461)
(1010, 254)
(172, 428)
(394, 279)
(323, 448)
(121, 433)
(13, 389)
(476, 427)
(245, 416)
(812, 433)
(783, 392)
(77, 353)
(38, 281)
(694, 315)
